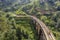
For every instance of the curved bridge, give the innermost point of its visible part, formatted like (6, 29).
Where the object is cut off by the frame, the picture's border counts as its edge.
(43, 31)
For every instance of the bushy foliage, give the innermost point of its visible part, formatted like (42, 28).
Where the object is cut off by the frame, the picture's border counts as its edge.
(17, 29)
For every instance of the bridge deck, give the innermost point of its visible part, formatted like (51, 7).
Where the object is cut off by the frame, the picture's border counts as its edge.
(45, 29)
(47, 32)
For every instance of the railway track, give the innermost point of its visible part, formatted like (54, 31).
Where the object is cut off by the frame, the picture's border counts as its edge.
(47, 34)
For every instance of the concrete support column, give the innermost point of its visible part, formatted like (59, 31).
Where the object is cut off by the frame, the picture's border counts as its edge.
(37, 27)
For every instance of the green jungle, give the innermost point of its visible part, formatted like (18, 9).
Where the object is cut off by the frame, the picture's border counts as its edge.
(13, 27)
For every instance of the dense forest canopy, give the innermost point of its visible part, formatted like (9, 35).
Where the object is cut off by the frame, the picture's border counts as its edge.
(12, 28)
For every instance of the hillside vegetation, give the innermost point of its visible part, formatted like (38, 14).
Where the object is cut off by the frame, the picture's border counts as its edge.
(12, 28)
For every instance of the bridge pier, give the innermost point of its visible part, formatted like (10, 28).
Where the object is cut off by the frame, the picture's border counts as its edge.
(41, 34)
(36, 25)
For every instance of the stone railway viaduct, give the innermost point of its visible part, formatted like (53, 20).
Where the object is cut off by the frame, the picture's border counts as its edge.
(43, 31)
